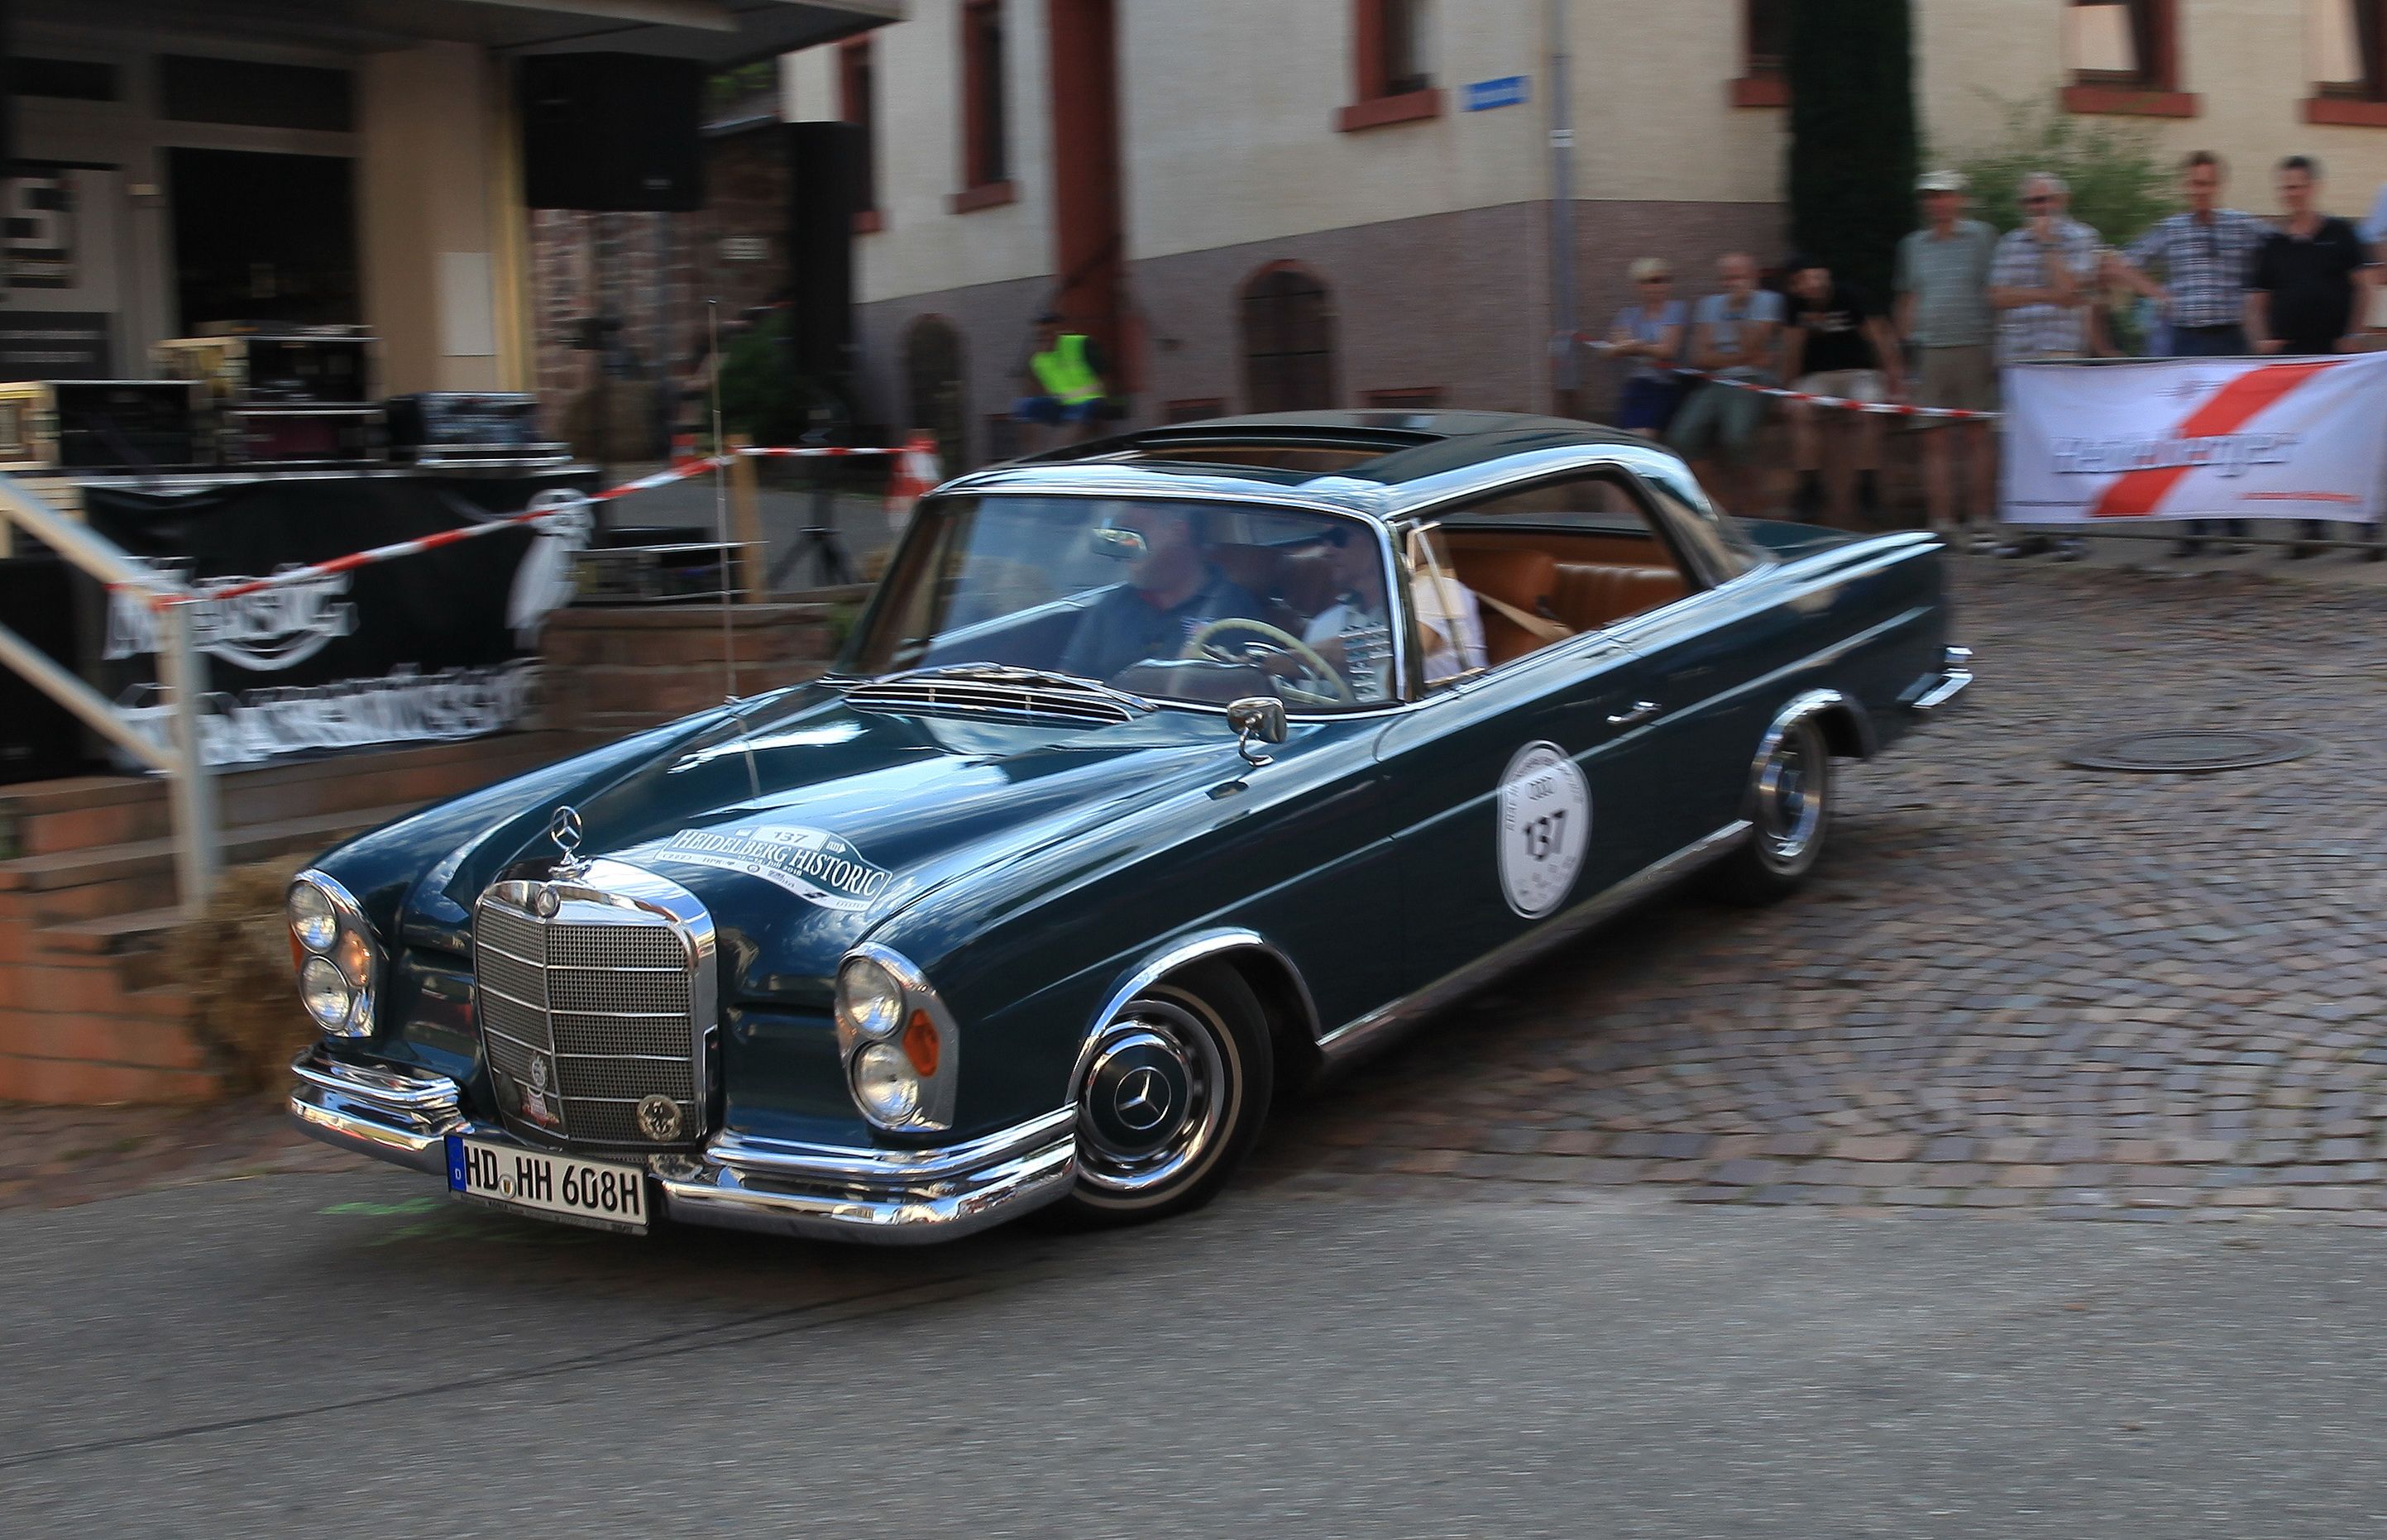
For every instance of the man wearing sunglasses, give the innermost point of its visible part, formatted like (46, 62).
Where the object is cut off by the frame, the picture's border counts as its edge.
(1355, 633)
(2042, 283)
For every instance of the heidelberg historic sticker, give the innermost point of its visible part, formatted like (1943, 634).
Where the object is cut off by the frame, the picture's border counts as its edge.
(1544, 826)
(813, 863)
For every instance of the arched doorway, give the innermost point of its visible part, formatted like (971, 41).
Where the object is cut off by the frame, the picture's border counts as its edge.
(1288, 333)
(933, 388)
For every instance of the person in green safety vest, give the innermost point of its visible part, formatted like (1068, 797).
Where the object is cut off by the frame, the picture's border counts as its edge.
(1065, 375)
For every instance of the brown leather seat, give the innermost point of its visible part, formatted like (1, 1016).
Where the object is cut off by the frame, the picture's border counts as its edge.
(1592, 594)
(1522, 578)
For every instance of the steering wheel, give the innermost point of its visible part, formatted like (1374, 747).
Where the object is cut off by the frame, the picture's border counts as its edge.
(1199, 645)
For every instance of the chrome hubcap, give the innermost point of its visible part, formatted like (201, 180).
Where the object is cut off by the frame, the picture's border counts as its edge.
(1790, 798)
(1154, 1100)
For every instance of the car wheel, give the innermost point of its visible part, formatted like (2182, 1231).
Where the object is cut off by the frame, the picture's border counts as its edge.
(1790, 816)
(1171, 1099)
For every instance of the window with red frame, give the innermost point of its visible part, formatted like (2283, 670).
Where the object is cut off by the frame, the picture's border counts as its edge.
(1391, 55)
(1765, 46)
(2124, 56)
(2350, 50)
(985, 136)
(858, 103)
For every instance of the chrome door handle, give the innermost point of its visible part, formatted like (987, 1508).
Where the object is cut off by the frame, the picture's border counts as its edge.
(1642, 712)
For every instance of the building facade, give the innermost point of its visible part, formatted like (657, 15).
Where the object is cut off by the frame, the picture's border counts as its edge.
(187, 164)
(1256, 205)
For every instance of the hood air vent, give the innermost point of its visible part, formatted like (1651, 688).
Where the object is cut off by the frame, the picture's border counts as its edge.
(1000, 695)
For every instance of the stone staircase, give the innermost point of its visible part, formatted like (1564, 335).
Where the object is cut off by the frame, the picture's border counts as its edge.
(90, 1010)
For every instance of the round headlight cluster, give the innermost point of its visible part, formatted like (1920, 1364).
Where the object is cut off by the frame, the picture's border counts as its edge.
(334, 954)
(897, 1059)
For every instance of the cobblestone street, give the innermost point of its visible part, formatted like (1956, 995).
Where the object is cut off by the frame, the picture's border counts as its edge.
(2015, 985)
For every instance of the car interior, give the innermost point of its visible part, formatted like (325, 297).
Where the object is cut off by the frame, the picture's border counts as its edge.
(1544, 565)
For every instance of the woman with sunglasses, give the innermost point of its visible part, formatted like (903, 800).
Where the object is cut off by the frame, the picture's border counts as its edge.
(1648, 332)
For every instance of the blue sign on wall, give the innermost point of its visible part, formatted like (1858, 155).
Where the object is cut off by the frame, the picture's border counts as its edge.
(1507, 91)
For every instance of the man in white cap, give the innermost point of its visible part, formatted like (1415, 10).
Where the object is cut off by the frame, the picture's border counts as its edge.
(1943, 312)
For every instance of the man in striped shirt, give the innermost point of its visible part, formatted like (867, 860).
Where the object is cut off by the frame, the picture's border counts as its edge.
(2206, 254)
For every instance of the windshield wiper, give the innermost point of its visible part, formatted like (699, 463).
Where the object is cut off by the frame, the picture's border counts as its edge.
(1012, 674)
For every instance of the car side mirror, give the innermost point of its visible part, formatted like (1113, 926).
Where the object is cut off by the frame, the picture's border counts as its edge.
(1256, 719)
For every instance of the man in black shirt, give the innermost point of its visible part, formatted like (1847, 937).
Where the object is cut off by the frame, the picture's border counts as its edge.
(1172, 590)
(1836, 344)
(2310, 289)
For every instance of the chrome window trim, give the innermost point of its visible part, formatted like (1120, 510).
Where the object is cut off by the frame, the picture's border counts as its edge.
(936, 1111)
(362, 1012)
(1347, 1042)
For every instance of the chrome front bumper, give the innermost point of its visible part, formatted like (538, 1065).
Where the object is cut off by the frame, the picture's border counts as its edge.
(1937, 691)
(833, 1192)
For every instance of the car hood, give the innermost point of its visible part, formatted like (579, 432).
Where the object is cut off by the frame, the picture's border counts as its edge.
(805, 832)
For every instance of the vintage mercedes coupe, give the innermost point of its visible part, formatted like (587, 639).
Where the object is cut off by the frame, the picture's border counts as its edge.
(1161, 773)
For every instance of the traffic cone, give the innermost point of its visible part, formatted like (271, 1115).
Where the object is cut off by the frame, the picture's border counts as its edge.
(915, 475)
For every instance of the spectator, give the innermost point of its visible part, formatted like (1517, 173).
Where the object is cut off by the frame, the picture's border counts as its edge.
(1065, 373)
(1943, 310)
(1838, 345)
(1734, 334)
(1650, 332)
(2311, 288)
(2374, 229)
(2041, 285)
(2206, 255)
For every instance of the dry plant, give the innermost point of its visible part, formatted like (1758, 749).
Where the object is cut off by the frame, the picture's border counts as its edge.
(235, 958)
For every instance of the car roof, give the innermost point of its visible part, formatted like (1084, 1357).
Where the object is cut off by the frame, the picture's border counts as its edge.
(1361, 460)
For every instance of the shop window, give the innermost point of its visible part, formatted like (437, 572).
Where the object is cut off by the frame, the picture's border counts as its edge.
(858, 103)
(194, 90)
(1393, 73)
(986, 130)
(2347, 41)
(2123, 56)
(1288, 338)
(1765, 46)
(72, 80)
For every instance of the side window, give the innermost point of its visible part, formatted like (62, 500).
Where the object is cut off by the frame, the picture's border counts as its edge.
(1549, 561)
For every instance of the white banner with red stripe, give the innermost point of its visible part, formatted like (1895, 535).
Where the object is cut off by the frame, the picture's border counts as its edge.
(2188, 438)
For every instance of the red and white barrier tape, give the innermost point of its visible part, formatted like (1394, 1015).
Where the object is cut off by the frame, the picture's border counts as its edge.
(1886, 409)
(678, 470)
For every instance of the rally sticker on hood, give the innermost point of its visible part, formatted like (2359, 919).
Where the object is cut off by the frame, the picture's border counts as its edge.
(810, 863)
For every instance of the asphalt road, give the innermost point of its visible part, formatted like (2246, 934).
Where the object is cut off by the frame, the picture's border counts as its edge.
(346, 1353)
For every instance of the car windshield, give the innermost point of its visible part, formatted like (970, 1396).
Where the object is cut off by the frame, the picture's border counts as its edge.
(1174, 601)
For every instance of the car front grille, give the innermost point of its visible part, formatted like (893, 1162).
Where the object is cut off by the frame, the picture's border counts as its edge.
(590, 1011)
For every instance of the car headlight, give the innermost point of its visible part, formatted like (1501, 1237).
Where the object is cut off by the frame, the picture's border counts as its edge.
(325, 994)
(886, 1084)
(897, 1040)
(869, 1001)
(312, 919)
(337, 956)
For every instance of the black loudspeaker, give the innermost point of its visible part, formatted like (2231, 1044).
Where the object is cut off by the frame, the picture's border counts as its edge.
(823, 194)
(612, 132)
(39, 740)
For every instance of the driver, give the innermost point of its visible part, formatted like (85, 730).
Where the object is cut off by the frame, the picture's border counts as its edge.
(1172, 592)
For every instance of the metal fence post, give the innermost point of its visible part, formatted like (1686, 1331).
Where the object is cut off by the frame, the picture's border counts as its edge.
(198, 853)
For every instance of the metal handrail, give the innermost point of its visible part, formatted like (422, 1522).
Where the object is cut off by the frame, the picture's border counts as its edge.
(181, 673)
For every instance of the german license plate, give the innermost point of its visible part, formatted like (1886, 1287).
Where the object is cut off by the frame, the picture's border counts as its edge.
(551, 1186)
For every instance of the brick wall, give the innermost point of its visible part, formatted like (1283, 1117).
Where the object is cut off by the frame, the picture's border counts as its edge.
(616, 670)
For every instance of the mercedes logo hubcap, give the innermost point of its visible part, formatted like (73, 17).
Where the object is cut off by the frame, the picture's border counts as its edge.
(1143, 1100)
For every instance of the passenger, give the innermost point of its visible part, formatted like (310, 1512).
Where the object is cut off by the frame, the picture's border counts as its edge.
(1354, 632)
(1172, 590)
